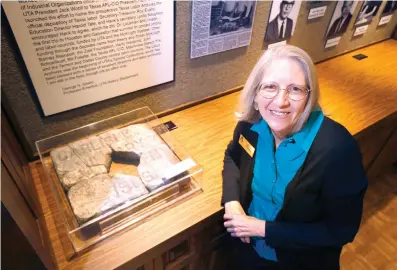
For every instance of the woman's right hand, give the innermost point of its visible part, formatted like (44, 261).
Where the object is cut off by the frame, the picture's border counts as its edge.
(235, 208)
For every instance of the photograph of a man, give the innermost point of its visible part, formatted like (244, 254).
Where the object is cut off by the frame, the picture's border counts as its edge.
(282, 20)
(341, 18)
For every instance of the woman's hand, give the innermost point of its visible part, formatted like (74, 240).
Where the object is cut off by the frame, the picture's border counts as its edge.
(235, 208)
(244, 226)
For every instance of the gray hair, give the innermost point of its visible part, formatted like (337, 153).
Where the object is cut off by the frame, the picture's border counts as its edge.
(250, 90)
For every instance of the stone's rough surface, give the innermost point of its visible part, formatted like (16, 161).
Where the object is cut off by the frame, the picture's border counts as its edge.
(99, 169)
(93, 196)
(65, 161)
(112, 136)
(61, 154)
(150, 177)
(72, 178)
(132, 131)
(83, 169)
(71, 169)
(158, 156)
(153, 165)
(140, 137)
(128, 187)
(123, 146)
(93, 151)
(89, 198)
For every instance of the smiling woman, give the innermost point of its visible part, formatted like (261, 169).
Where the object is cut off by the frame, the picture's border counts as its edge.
(293, 181)
(286, 66)
(281, 110)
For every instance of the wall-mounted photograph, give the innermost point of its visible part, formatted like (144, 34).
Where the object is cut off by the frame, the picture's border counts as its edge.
(282, 20)
(219, 26)
(390, 7)
(368, 11)
(387, 12)
(341, 18)
(231, 16)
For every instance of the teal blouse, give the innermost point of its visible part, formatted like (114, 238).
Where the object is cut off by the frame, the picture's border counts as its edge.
(273, 170)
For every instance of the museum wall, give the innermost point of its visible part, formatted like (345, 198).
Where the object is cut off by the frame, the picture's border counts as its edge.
(195, 79)
(395, 33)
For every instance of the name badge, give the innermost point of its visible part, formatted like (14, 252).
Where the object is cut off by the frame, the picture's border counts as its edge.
(246, 145)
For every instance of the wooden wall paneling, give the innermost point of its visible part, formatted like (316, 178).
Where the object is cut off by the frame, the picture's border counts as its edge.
(160, 254)
(219, 258)
(16, 246)
(180, 250)
(210, 246)
(56, 223)
(182, 255)
(23, 216)
(394, 36)
(149, 265)
(18, 166)
(158, 263)
(372, 140)
(180, 262)
(199, 245)
(385, 158)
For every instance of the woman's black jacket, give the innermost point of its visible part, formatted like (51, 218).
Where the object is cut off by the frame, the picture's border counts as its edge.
(322, 205)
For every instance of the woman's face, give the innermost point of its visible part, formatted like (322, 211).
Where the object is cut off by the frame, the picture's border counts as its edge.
(280, 112)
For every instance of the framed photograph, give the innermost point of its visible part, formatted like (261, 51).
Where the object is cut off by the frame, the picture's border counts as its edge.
(341, 18)
(368, 11)
(390, 7)
(282, 20)
(220, 25)
(231, 16)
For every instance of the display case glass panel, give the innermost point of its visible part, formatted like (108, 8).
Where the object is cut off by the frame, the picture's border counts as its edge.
(114, 173)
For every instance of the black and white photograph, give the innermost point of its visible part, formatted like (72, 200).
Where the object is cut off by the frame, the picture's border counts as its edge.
(341, 18)
(282, 20)
(368, 11)
(230, 16)
(390, 7)
(219, 26)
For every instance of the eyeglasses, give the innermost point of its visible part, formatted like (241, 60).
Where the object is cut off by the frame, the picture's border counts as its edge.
(294, 92)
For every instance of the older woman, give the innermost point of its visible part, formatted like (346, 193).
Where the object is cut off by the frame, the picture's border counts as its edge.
(293, 181)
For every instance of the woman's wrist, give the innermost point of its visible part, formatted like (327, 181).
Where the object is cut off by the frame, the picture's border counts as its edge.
(261, 228)
(234, 207)
(232, 203)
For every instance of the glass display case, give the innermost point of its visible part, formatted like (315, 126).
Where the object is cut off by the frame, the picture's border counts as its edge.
(114, 173)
